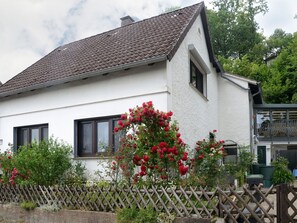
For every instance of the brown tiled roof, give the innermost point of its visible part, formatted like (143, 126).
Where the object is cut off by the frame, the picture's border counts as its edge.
(149, 40)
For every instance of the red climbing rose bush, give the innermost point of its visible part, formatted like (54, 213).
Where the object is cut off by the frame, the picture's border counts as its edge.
(9, 174)
(151, 146)
(207, 162)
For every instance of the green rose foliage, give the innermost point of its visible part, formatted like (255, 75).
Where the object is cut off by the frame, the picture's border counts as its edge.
(207, 160)
(151, 147)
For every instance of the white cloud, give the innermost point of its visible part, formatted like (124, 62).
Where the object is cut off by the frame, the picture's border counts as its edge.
(29, 29)
(280, 15)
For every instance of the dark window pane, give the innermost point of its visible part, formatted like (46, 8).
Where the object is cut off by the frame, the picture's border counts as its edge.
(24, 137)
(86, 138)
(35, 135)
(196, 77)
(193, 75)
(102, 136)
(117, 136)
(199, 80)
(44, 133)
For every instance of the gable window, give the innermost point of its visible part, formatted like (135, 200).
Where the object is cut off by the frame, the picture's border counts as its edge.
(27, 134)
(96, 136)
(197, 77)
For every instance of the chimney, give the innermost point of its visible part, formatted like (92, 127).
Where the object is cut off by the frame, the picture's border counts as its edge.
(127, 20)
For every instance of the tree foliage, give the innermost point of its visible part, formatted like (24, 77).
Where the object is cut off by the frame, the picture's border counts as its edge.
(281, 84)
(233, 21)
(243, 50)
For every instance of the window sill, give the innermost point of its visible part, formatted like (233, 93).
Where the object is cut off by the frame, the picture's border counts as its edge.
(93, 157)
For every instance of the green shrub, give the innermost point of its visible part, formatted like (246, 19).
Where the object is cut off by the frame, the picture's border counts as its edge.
(43, 163)
(126, 215)
(147, 215)
(134, 215)
(28, 205)
(281, 172)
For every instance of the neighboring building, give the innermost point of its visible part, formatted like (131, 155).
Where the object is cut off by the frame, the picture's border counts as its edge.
(276, 130)
(78, 91)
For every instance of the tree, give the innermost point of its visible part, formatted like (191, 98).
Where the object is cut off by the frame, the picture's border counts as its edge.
(233, 27)
(276, 42)
(281, 84)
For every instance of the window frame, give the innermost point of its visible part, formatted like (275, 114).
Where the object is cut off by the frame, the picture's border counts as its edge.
(201, 87)
(112, 122)
(18, 137)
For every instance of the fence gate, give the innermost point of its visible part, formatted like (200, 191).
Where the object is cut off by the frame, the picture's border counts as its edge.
(286, 204)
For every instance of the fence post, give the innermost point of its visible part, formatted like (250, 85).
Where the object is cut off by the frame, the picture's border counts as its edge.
(220, 210)
(281, 204)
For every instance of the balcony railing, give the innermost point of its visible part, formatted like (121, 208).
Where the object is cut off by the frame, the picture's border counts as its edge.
(276, 124)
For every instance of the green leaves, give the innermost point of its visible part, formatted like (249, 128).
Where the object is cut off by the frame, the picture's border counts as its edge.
(43, 163)
(233, 27)
(281, 173)
(281, 84)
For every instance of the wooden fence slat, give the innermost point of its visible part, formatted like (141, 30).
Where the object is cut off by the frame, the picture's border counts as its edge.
(118, 198)
(151, 199)
(101, 205)
(258, 205)
(239, 211)
(191, 203)
(172, 203)
(209, 199)
(246, 206)
(160, 200)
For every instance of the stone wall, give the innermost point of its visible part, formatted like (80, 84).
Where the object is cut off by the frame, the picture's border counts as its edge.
(14, 213)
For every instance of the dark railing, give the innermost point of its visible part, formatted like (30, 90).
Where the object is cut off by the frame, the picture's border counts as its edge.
(278, 129)
(276, 122)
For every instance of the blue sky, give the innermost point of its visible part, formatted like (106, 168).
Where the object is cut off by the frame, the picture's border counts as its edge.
(29, 29)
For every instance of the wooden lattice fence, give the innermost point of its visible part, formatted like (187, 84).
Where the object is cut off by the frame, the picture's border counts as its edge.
(197, 202)
(287, 204)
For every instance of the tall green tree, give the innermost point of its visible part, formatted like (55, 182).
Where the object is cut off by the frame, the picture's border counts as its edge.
(233, 26)
(281, 84)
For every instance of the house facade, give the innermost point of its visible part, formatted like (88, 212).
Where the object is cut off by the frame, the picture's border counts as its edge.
(78, 91)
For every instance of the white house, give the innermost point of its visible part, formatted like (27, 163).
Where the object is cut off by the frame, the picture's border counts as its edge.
(77, 92)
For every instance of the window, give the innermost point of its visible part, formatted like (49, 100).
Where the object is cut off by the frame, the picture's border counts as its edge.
(27, 134)
(231, 152)
(197, 77)
(96, 136)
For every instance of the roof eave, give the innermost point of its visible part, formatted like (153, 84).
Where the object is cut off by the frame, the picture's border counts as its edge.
(109, 70)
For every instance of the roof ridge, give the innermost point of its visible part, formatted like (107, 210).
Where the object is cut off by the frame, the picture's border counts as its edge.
(136, 22)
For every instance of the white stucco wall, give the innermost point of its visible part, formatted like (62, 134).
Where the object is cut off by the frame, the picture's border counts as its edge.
(234, 111)
(192, 110)
(97, 97)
